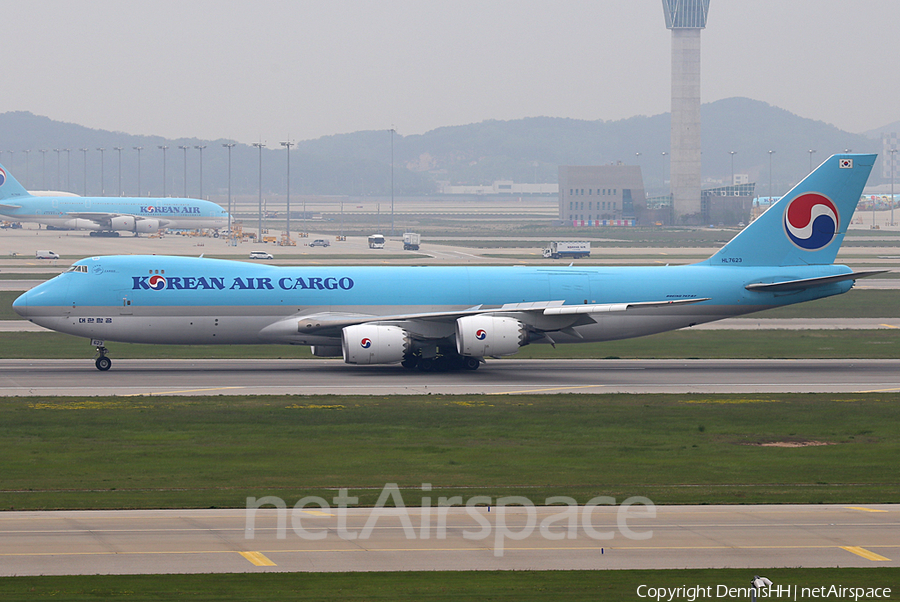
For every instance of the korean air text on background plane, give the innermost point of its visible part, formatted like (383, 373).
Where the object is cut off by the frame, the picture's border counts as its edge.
(106, 214)
(454, 317)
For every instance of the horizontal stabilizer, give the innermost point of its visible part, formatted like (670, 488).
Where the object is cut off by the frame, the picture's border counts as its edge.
(804, 283)
(5, 206)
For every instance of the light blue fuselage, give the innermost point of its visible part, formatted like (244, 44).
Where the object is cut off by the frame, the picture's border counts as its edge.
(202, 301)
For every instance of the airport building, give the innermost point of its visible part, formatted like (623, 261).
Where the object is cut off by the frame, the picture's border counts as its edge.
(603, 195)
(686, 19)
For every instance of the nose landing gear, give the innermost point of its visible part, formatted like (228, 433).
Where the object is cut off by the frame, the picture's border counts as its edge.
(102, 362)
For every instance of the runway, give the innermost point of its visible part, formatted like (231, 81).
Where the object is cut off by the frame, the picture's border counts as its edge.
(459, 538)
(333, 377)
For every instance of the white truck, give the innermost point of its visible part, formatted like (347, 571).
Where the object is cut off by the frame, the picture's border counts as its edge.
(411, 241)
(573, 250)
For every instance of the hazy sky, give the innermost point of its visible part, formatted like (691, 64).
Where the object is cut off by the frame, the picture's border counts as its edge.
(266, 69)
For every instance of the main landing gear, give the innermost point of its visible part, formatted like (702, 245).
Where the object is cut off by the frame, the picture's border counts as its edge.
(441, 363)
(102, 362)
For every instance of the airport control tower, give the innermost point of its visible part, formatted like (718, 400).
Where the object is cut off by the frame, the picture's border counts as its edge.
(685, 18)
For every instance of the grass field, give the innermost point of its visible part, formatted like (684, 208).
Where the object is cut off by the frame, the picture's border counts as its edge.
(436, 586)
(152, 452)
(734, 344)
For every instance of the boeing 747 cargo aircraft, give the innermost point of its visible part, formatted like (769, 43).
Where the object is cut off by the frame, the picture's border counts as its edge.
(453, 317)
(106, 214)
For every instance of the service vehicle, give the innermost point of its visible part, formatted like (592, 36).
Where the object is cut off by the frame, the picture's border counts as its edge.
(570, 249)
(411, 241)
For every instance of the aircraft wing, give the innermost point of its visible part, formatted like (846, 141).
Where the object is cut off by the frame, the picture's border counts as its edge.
(544, 316)
(804, 283)
(104, 219)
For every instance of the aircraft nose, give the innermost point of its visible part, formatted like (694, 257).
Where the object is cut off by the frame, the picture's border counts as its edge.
(20, 305)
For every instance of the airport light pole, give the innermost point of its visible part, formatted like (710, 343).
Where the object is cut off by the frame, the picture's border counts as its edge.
(732, 153)
(185, 149)
(392, 179)
(58, 169)
(200, 148)
(288, 145)
(102, 173)
(27, 152)
(229, 146)
(68, 152)
(164, 148)
(84, 167)
(771, 152)
(260, 146)
(663, 185)
(811, 153)
(892, 152)
(43, 152)
(119, 150)
(139, 149)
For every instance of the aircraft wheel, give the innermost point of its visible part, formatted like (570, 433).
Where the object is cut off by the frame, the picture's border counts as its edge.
(410, 362)
(426, 364)
(471, 363)
(103, 363)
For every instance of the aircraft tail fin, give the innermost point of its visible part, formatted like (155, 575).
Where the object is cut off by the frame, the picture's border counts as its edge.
(807, 225)
(10, 187)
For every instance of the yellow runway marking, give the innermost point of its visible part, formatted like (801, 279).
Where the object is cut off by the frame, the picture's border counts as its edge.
(258, 559)
(544, 390)
(317, 513)
(864, 509)
(889, 326)
(460, 549)
(865, 553)
(184, 391)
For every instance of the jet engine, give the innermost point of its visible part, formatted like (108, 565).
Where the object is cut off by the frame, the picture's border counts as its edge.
(122, 222)
(489, 335)
(146, 226)
(374, 344)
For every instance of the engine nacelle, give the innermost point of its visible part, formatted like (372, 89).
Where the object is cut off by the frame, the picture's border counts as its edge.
(122, 222)
(483, 335)
(146, 226)
(374, 344)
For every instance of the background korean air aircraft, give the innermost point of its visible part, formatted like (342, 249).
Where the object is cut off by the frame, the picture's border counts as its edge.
(106, 214)
(453, 317)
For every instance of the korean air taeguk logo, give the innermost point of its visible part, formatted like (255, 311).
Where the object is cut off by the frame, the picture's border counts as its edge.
(811, 221)
(2, 176)
(481, 334)
(365, 343)
(156, 283)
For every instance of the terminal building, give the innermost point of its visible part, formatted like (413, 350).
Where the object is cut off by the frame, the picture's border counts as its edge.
(603, 195)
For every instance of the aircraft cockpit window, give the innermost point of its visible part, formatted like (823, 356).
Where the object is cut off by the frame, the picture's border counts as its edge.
(78, 268)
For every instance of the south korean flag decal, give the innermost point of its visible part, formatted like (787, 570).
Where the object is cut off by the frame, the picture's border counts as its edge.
(846, 164)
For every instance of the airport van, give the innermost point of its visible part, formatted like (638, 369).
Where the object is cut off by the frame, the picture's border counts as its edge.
(260, 255)
(46, 255)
